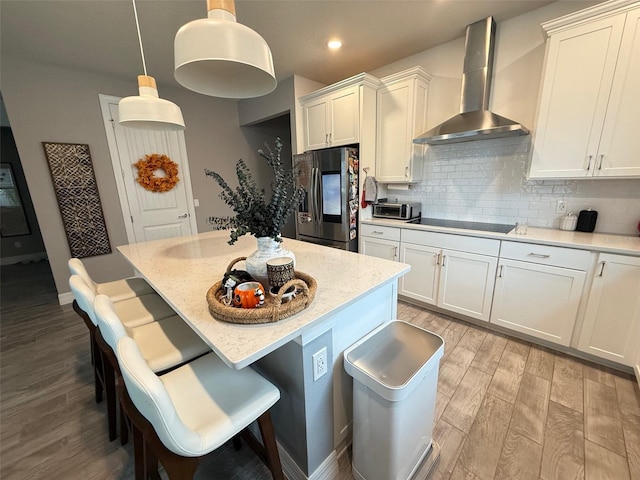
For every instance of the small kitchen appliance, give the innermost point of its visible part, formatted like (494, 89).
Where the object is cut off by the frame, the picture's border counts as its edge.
(397, 211)
(587, 221)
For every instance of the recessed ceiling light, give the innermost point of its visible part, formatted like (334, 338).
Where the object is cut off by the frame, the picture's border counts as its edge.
(334, 44)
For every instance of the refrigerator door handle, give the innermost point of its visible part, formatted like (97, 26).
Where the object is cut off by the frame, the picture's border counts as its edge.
(318, 195)
(312, 195)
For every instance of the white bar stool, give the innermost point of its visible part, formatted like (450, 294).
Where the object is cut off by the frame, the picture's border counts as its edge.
(135, 311)
(187, 413)
(116, 290)
(164, 344)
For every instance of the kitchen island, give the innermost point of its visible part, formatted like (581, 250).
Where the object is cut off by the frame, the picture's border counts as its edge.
(355, 294)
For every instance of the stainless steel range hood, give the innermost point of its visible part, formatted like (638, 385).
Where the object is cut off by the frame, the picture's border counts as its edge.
(475, 121)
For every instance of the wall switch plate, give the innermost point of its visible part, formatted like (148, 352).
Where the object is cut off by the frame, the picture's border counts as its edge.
(561, 207)
(319, 363)
(196, 202)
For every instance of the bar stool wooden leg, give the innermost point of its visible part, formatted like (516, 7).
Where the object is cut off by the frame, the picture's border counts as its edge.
(96, 360)
(270, 446)
(138, 454)
(110, 387)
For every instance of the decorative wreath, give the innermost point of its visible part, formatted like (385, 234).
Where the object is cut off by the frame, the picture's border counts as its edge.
(147, 168)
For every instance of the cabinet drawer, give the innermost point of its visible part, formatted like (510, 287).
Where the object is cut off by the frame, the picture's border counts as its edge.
(377, 231)
(481, 246)
(546, 255)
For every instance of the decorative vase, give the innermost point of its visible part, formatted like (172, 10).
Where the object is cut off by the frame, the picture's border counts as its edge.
(268, 248)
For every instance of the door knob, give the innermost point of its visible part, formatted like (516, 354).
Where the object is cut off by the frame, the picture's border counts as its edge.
(184, 215)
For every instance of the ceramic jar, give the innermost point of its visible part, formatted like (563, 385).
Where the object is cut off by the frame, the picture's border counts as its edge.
(568, 222)
(268, 248)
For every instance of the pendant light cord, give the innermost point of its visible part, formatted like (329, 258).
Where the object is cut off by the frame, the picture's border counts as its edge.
(135, 12)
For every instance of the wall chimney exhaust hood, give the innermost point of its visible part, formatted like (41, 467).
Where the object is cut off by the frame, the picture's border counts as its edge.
(475, 121)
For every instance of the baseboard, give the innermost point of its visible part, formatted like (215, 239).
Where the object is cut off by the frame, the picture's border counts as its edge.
(326, 471)
(31, 257)
(65, 298)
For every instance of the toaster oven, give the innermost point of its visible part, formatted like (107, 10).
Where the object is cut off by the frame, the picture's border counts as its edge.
(399, 211)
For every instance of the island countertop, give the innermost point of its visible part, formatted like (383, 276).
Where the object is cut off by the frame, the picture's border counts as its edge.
(183, 269)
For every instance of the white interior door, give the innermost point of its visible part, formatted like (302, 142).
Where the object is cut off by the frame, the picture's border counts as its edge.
(148, 215)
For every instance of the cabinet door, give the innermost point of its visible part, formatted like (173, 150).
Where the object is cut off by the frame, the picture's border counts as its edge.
(466, 283)
(579, 70)
(393, 147)
(315, 124)
(611, 326)
(421, 283)
(381, 248)
(539, 300)
(344, 117)
(620, 143)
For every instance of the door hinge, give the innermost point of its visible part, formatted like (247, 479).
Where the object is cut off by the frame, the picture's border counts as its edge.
(131, 218)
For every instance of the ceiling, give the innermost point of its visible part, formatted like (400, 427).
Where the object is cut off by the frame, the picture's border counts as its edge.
(100, 35)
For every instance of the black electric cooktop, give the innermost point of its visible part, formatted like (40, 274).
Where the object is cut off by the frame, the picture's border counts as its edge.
(483, 227)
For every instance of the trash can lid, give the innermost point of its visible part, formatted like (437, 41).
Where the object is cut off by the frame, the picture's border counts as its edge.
(393, 358)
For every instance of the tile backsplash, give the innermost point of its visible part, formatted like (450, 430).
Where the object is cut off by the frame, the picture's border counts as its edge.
(485, 181)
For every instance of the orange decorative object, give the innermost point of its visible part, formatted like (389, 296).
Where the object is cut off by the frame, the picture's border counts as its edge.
(248, 295)
(146, 173)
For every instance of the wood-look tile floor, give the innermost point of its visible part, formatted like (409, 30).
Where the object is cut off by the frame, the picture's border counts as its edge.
(505, 409)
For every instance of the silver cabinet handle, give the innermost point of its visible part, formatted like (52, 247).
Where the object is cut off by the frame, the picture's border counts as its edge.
(406, 172)
(538, 255)
(601, 160)
(330, 137)
(438, 259)
(589, 164)
(500, 271)
(395, 254)
(326, 138)
(184, 215)
(376, 232)
(601, 268)
(444, 257)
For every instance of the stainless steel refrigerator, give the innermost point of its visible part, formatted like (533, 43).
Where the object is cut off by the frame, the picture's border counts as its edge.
(328, 215)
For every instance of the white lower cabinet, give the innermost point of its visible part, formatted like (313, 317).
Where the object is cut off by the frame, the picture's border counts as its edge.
(611, 327)
(538, 290)
(381, 248)
(421, 283)
(455, 280)
(379, 241)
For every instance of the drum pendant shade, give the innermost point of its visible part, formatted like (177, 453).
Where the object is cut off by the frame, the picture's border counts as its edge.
(147, 111)
(219, 57)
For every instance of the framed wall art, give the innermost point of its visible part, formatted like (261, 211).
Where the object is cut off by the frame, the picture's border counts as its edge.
(76, 189)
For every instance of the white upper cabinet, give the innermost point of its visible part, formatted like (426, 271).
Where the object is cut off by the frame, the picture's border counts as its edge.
(589, 103)
(332, 114)
(401, 116)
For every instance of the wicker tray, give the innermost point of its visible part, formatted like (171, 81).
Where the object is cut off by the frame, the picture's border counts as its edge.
(272, 310)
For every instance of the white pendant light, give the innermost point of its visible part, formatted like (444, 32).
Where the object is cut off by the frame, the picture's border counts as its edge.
(219, 57)
(147, 111)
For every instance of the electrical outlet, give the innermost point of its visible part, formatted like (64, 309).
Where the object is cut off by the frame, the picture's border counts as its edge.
(561, 207)
(319, 363)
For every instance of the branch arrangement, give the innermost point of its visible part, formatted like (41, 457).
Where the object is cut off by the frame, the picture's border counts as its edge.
(254, 214)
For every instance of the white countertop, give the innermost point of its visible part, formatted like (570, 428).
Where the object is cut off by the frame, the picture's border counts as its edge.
(183, 269)
(600, 242)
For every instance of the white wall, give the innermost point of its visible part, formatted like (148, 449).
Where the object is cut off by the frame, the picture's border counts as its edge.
(486, 180)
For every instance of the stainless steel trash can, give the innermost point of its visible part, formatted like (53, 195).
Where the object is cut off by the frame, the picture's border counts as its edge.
(395, 378)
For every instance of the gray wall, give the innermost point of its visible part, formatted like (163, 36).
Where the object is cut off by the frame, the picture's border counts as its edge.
(48, 103)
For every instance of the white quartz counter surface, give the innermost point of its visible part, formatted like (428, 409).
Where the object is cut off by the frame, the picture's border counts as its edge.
(183, 269)
(597, 242)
